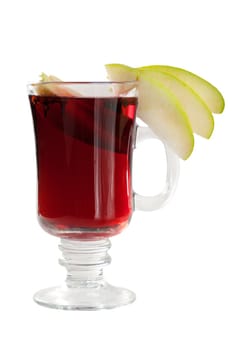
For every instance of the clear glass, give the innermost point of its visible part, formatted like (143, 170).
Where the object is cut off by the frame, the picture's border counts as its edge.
(85, 134)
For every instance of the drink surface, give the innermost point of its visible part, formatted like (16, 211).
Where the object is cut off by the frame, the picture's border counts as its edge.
(84, 153)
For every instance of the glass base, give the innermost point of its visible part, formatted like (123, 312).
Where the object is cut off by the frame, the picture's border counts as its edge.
(85, 287)
(103, 297)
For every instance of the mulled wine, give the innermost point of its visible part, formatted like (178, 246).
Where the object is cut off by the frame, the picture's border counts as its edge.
(84, 154)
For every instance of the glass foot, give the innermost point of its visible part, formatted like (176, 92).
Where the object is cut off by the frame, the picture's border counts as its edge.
(85, 287)
(101, 297)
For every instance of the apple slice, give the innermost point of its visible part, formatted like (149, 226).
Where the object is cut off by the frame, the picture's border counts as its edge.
(208, 92)
(48, 89)
(158, 108)
(199, 115)
(121, 72)
(163, 113)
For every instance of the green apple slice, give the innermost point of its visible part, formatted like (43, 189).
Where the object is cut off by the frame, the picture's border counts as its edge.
(199, 115)
(163, 113)
(208, 92)
(53, 89)
(121, 72)
(158, 108)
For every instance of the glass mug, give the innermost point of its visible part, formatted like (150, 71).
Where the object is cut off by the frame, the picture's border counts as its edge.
(85, 135)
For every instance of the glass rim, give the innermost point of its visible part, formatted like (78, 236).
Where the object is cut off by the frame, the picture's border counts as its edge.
(99, 82)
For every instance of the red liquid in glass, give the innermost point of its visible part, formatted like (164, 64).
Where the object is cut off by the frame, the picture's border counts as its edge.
(84, 150)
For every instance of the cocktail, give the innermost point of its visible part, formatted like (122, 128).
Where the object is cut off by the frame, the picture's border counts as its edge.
(85, 135)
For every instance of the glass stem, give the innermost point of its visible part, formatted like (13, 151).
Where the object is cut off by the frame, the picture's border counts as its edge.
(84, 261)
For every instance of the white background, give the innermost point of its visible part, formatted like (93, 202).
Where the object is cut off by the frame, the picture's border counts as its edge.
(178, 259)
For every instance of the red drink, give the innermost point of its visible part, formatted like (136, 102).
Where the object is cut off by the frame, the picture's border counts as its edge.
(84, 151)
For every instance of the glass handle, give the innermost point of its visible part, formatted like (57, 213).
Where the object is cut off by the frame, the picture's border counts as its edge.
(149, 203)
